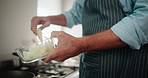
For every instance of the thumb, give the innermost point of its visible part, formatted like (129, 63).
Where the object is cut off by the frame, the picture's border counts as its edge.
(56, 34)
(44, 25)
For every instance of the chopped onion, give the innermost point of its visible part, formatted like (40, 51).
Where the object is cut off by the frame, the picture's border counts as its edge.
(39, 34)
(38, 51)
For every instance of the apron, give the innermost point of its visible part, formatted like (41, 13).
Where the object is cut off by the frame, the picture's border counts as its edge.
(99, 15)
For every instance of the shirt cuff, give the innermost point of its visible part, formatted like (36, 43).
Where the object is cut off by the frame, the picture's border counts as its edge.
(127, 34)
(69, 20)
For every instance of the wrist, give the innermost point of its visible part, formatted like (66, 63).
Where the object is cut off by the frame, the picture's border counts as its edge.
(57, 20)
(83, 44)
(50, 18)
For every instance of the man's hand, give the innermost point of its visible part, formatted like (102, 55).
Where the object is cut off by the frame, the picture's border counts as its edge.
(44, 21)
(68, 46)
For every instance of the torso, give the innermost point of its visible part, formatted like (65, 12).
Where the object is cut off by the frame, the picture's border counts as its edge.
(99, 15)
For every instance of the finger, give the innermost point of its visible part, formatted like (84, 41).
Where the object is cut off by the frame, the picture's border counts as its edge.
(44, 25)
(33, 28)
(50, 57)
(47, 60)
(56, 34)
(59, 60)
(34, 23)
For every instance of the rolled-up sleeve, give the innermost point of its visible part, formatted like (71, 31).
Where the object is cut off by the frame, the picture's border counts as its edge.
(74, 16)
(133, 29)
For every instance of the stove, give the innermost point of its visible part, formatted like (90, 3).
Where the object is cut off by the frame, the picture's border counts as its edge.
(67, 69)
(53, 71)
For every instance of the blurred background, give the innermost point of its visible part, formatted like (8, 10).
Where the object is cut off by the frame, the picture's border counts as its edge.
(15, 20)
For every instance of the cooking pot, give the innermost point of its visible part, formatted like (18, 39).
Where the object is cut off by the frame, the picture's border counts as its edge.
(16, 74)
(21, 64)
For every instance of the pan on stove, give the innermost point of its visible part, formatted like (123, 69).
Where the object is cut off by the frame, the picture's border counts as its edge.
(16, 74)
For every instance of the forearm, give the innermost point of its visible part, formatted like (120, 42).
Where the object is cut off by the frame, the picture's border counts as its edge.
(58, 20)
(103, 40)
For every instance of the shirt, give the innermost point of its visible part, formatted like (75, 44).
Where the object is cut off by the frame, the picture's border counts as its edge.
(132, 29)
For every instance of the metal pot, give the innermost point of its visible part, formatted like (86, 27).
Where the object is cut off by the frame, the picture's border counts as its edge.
(37, 63)
(16, 74)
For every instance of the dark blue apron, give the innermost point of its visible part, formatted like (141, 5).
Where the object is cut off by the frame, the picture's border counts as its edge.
(99, 15)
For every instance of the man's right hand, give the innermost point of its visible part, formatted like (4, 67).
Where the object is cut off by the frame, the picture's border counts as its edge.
(43, 21)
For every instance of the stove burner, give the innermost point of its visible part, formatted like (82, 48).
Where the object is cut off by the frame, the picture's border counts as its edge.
(55, 71)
